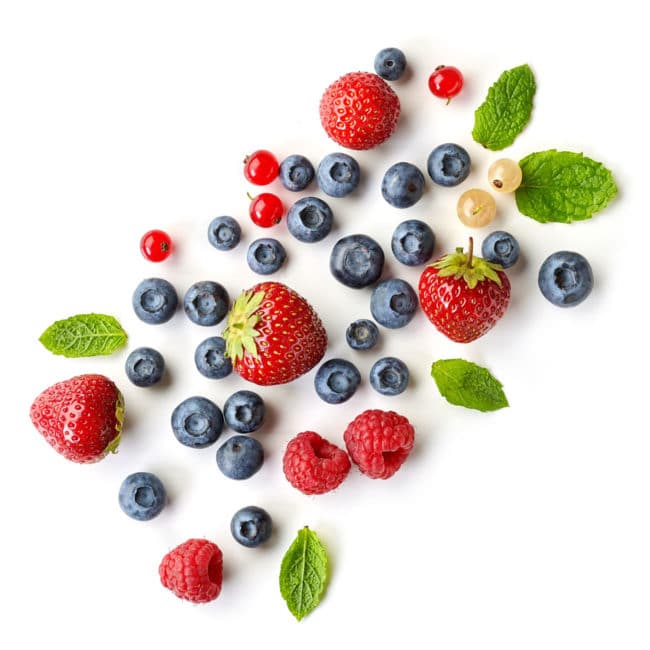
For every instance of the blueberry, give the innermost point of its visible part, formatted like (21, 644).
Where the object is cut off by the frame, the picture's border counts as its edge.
(210, 358)
(362, 334)
(310, 219)
(393, 303)
(142, 496)
(244, 411)
(206, 303)
(265, 256)
(337, 380)
(356, 261)
(296, 172)
(402, 185)
(501, 248)
(389, 376)
(251, 526)
(565, 278)
(144, 367)
(197, 422)
(224, 233)
(338, 174)
(240, 457)
(412, 242)
(390, 63)
(154, 301)
(448, 164)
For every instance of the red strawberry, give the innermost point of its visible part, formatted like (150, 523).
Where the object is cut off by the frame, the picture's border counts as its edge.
(464, 296)
(359, 110)
(273, 335)
(80, 417)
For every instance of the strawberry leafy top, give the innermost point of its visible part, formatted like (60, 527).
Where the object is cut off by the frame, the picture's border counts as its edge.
(471, 269)
(240, 332)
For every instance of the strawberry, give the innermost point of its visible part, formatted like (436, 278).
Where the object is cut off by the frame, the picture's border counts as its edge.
(359, 110)
(273, 335)
(80, 417)
(464, 296)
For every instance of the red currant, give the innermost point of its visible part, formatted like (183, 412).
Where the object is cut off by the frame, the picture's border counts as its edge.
(261, 167)
(156, 245)
(446, 81)
(266, 210)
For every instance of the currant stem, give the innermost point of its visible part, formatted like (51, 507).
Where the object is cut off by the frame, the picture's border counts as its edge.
(248, 194)
(470, 252)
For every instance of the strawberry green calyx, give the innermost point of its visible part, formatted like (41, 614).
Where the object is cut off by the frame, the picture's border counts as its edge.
(119, 416)
(471, 269)
(240, 332)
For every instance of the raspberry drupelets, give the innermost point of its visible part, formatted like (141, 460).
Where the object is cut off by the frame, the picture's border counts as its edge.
(193, 570)
(379, 442)
(313, 465)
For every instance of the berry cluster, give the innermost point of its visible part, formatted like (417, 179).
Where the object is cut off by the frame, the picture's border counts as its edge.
(272, 334)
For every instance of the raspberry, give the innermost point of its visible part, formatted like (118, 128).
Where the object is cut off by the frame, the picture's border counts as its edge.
(313, 465)
(359, 110)
(379, 442)
(193, 570)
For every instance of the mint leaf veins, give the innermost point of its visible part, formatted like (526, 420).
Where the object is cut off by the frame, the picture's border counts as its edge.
(464, 383)
(506, 110)
(84, 335)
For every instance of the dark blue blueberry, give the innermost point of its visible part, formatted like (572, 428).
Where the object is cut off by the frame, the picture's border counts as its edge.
(389, 376)
(142, 496)
(356, 261)
(206, 303)
(402, 185)
(337, 380)
(448, 164)
(362, 334)
(390, 63)
(393, 303)
(144, 367)
(565, 278)
(210, 358)
(501, 248)
(155, 301)
(310, 219)
(251, 526)
(197, 422)
(224, 233)
(244, 411)
(413, 242)
(338, 174)
(296, 172)
(265, 255)
(240, 457)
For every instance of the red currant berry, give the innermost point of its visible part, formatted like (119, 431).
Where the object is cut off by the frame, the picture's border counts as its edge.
(261, 167)
(446, 81)
(156, 245)
(266, 210)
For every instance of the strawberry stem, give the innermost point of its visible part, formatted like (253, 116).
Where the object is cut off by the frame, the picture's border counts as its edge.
(470, 252)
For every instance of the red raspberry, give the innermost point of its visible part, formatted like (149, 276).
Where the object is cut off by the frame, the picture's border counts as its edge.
(193, 570)
(313, 465)
(379, 442)
(359, 110)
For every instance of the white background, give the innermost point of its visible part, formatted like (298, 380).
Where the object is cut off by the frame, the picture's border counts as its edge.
(524, 528)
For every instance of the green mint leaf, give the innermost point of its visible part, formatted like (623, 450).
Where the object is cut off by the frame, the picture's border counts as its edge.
(563, 186)
(84, 335)
(506, 110)
(465, 384)
(303, 573)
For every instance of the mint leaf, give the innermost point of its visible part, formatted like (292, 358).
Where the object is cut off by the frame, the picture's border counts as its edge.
(465, 384)
(506, 110)
(563, 186)
(84, 335)
(303, 573)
